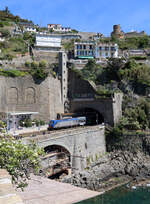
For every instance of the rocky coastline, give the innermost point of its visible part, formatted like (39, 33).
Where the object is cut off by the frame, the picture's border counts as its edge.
(111, 170)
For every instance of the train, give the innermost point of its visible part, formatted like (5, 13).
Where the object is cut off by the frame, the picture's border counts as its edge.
(65, 123)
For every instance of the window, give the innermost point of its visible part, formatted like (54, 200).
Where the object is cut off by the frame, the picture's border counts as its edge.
(113, 49)
(82, 52)
(84, 47)
(112, 54)
(90, 53)
(78, 47)
(106, 54)
(78, 53)
(91, 47)
(106, 48)
(100, 48)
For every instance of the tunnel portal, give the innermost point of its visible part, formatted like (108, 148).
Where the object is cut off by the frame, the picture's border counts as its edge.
(93, 117)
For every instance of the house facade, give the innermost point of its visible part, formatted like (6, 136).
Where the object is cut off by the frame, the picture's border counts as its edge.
(48, 42)
(92, 49)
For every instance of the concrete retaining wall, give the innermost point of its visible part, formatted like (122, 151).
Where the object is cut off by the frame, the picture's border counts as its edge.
(24, 94)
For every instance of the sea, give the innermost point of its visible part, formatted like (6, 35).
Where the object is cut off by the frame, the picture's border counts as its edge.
(122, 195)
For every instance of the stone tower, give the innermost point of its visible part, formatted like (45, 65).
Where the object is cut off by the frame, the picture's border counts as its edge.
(117, 32)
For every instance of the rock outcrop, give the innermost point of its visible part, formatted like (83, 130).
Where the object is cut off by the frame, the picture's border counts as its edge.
(114, 165)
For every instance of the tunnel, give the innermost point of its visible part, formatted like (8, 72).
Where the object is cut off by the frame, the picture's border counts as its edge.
(59, 160)
(93, 117)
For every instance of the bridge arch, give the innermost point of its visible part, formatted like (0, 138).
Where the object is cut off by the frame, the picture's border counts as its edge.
(55, 147)
(59, 159)
(92, 115)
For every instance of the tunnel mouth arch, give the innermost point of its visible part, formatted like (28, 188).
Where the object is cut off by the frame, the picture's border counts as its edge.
(59, 161)
(93, 117)
(57, 149)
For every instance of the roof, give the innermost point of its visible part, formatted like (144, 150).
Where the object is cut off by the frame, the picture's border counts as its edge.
(22, 113)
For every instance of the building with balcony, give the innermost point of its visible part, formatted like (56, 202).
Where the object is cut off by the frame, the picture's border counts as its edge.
(106, 50)
(84, 49)
(92, 49)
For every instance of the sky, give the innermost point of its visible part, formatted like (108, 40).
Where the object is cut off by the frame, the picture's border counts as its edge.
(85, 15)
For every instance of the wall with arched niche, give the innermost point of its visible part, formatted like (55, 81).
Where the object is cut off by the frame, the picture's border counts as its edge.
(30, 95)
(13, 95)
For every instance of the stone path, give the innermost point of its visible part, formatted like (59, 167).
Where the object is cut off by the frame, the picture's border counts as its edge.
(45, 191)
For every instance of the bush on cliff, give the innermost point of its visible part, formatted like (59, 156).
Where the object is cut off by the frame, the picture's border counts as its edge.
(39, 73)
(12, 73)
(19, 160)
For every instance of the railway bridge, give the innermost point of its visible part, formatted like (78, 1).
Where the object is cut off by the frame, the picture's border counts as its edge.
(77, 146)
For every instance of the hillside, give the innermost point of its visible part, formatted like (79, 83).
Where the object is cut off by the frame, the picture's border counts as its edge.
(12, 45)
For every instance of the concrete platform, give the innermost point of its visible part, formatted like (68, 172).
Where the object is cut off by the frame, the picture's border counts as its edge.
(45, 191)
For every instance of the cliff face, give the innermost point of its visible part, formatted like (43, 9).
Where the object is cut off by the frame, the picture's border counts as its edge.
(111, 170)
(24, 94)
(130, 162)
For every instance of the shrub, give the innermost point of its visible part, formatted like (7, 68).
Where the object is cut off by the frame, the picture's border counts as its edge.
(19, 160)
(5, 33)
(34, 64)
(12, 73)
(42, 64)
(28, 123)
(27, 64)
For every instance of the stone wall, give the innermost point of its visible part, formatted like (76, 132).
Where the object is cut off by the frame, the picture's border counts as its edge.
(50, 57)
(16, 62)
(24, 94)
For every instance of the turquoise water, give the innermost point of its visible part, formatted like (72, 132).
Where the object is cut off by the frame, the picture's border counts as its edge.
(122, 195)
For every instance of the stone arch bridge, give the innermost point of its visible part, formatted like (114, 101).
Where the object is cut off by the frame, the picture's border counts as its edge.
(83, 143)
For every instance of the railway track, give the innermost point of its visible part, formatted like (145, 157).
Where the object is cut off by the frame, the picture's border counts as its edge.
(58, 131)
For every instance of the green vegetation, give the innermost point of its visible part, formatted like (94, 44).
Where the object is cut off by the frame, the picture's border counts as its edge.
(141, 42)
(12, 46)
(12, 73)
(69, 46)
(91, 70)
(6, 17)
(30, 123)
(74, 31)
(19, 160)
(133, 42)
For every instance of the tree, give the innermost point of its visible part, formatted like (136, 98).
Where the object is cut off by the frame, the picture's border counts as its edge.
(113, 67)
(19, 160)
(90, 71)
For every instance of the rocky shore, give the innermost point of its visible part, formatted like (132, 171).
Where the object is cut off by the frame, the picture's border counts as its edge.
(111, 170)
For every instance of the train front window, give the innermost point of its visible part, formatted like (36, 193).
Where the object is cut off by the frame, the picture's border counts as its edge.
(51, 123)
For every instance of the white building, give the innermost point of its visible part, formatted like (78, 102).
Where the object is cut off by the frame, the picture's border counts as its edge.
(58, 28)
(30, 29)
(48, 42)
(106, 50)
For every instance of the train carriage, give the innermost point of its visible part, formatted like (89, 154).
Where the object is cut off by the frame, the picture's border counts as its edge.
(69, 122)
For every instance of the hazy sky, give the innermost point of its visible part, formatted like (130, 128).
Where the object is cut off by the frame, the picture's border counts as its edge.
(85, 15)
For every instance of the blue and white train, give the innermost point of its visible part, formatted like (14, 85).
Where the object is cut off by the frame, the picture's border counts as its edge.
(64, 123)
